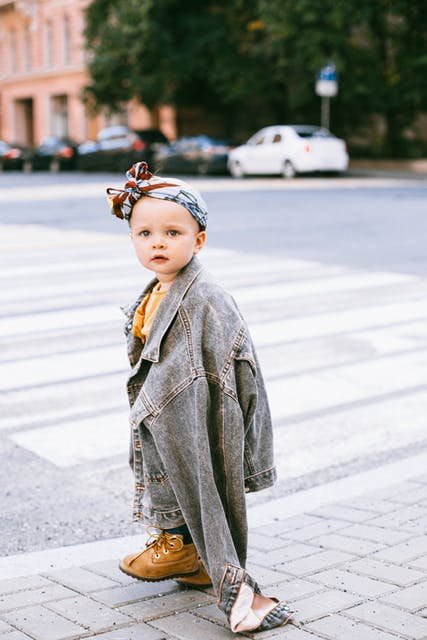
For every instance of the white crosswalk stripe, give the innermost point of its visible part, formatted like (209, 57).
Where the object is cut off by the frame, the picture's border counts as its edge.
(350, 377)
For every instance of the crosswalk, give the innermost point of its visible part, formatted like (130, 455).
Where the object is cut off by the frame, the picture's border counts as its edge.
(343, 351)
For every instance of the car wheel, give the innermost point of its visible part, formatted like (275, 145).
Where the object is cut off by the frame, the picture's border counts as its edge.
(236, 169)
(288, 170)
(202, 169)
(54, 165)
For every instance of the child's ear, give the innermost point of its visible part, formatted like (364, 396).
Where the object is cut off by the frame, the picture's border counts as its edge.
(200, 241)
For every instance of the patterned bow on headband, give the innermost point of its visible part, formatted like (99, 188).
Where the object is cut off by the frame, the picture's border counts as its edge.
(140, 182)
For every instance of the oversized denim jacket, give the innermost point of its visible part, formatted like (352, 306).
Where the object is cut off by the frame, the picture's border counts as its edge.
(198, 368)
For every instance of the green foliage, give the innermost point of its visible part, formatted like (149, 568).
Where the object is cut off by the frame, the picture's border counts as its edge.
(253, 62)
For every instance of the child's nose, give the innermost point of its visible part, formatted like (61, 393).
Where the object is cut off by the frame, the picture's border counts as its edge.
(158, 242)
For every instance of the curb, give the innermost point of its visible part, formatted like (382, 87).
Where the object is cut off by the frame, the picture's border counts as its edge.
(27, 564)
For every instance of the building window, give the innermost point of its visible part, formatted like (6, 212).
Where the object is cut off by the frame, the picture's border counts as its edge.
(59, 116)
(67, 39)
(27, 48)
(49, 43)
(13, 52)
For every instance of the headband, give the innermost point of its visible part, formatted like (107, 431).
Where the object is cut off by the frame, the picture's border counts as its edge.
(141, 182)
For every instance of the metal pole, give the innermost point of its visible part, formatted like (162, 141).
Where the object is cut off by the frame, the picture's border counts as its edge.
(325, 112)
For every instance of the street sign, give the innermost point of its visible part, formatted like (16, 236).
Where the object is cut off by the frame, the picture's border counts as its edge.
(327, 81)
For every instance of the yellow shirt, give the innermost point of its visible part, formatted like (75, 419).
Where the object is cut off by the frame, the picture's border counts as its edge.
(146, 311)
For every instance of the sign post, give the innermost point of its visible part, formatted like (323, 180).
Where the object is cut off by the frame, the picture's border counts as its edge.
(326, 88)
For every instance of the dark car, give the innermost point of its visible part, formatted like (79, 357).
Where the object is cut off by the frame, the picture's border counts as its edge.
(116, 148)
(54, 154)
(199, 154)
(13, 156)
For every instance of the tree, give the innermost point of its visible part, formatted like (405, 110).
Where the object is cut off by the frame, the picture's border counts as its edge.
(253, 62)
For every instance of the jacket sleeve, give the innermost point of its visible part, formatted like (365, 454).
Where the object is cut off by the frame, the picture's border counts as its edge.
(260, 471)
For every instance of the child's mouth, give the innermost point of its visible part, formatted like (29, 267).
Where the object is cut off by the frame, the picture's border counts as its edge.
(158, 259)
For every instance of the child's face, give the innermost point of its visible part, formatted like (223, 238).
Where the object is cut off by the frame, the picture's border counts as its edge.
(165, 236)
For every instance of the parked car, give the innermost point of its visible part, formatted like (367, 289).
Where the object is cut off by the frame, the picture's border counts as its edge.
(116, 148)
(13, 156)
(54, 154)
(198, 154)
(288, 150)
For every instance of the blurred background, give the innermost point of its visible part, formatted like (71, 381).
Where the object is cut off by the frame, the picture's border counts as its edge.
(91, 85)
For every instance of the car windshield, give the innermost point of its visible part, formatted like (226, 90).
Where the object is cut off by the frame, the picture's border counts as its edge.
(312, 132)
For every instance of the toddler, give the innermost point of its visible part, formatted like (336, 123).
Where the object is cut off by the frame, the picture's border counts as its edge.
(200, 420)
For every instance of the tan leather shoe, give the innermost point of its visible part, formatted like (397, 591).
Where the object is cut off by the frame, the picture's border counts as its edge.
(165, 556)
(201, 579)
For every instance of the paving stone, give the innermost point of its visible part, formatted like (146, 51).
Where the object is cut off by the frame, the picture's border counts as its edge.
(411, 549)
(288, 632)
(259, 541)
(4, 627)
(19, 584)
(81, 580)
(390, 619)
(402, 576)
(186, 626)
(321, 604)
(419, 563)
(394, 489)
(291, 590)
(411, 598)
(120, 596)
(286, 553)
(335, 627)
(288, 524)
(405, 519)
(373, 504)
(322, 526)
(42, 624)
(376, 534)
(343, 512)
(212, 613)
(93, 616)
(265, 576)
(352, 582)
(109, 569)
(322, 560)
(343, 543)
(136, 632)
(34, 596)
(412, 496)
(16, 635)
(167, 605)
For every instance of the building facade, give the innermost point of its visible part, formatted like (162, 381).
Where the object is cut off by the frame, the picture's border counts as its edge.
(43, 74)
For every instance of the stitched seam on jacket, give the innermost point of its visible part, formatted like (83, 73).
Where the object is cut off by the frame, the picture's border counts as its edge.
(222, 440)
(199, 373)
(260, 473)
(238, 341)
(187, 328)
(182, 387)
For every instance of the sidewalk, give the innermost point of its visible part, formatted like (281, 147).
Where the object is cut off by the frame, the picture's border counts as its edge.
(355, 569)
(405, 169)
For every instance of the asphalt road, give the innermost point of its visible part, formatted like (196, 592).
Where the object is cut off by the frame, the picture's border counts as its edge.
(331, 275)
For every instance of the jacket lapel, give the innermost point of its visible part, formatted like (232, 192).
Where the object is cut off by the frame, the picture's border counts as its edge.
(165, 313)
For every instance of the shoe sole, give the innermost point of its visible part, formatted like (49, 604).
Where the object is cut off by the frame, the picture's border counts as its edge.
(191, 584)
(169, 577)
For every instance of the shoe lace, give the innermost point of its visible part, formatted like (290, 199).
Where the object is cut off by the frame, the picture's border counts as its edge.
(162, 541)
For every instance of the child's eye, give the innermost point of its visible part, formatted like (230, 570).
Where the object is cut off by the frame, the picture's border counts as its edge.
(173, 233)
(144, 233)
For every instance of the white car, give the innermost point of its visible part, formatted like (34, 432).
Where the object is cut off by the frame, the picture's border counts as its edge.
(287, 150)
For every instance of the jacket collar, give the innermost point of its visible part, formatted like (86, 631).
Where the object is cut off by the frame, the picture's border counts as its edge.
(166, 312)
